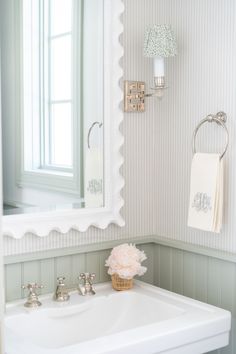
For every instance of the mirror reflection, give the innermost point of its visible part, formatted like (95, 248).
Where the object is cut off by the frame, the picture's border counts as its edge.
(52, 98)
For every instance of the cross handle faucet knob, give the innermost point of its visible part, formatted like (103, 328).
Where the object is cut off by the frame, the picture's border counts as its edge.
(32, 286)
(87, 276)
(61, 280)
(32, 299)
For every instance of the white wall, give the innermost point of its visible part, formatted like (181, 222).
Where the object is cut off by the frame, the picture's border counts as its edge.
(157, 149)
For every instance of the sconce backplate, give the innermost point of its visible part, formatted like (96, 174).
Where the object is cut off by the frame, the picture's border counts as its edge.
(134, 96)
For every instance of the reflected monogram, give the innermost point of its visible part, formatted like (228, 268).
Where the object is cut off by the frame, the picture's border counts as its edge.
(95, 186)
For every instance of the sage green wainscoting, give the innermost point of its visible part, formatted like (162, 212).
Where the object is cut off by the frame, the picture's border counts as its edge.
(45, 271)
(204, 274)
(200, 277)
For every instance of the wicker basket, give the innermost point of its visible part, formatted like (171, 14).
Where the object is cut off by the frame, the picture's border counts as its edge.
(121, 284)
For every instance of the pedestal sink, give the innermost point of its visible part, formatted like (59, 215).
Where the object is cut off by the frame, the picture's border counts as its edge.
(144, 320)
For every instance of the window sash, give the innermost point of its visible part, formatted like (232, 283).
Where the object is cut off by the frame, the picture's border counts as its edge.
(48, 102)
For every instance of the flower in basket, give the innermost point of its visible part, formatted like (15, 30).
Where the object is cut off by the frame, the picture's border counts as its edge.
(125, 261)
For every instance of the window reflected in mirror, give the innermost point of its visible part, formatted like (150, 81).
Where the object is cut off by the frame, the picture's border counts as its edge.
(52, 102)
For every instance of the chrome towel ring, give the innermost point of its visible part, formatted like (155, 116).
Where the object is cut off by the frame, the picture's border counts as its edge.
(220, 118)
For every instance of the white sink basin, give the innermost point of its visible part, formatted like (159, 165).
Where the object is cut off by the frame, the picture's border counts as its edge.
(143, 320)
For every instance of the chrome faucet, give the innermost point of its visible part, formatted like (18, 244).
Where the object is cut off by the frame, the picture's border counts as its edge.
(32, 299)
(61, 293)
(87, 287)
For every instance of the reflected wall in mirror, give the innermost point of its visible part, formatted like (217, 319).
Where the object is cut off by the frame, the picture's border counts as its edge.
(52, 116)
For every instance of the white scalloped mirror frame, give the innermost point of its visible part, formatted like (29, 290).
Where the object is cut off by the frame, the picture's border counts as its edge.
(41, 224)
(2, 285)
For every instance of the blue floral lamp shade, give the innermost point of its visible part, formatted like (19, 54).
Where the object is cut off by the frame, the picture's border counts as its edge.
(159, 43)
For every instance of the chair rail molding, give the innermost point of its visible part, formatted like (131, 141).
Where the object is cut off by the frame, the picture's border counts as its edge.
(41, 224)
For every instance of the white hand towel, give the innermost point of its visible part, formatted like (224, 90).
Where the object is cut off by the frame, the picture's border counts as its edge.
(206, 192)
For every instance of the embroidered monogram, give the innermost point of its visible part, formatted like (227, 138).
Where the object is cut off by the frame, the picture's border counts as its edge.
(202, 202)
(95, 186)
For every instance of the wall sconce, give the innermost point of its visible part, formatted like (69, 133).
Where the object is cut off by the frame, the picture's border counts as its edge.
(159, 43)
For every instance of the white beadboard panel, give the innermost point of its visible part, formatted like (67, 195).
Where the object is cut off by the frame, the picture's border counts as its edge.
(201, 80)
(140, 162)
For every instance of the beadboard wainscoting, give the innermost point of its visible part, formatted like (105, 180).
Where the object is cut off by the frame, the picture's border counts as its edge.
(45, 271)
(203, 274)
(201, 277)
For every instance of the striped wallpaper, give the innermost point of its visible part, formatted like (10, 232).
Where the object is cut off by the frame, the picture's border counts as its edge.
(201, 80)
(157, 149)
(138, 151)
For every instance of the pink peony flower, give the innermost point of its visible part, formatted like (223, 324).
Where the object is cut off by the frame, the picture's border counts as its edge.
(125, 260)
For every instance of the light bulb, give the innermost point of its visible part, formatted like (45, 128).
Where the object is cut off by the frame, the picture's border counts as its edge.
(159, 67)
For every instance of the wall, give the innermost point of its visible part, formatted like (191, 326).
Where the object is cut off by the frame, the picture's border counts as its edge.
(140, 164)
(201, 80)
(157, 149)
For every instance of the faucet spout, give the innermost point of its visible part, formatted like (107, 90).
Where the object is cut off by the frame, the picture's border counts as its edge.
(87, 288)
(61, 293)
(81, 290)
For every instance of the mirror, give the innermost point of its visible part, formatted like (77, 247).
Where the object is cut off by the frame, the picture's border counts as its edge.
(52, 117)
(60, 95)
